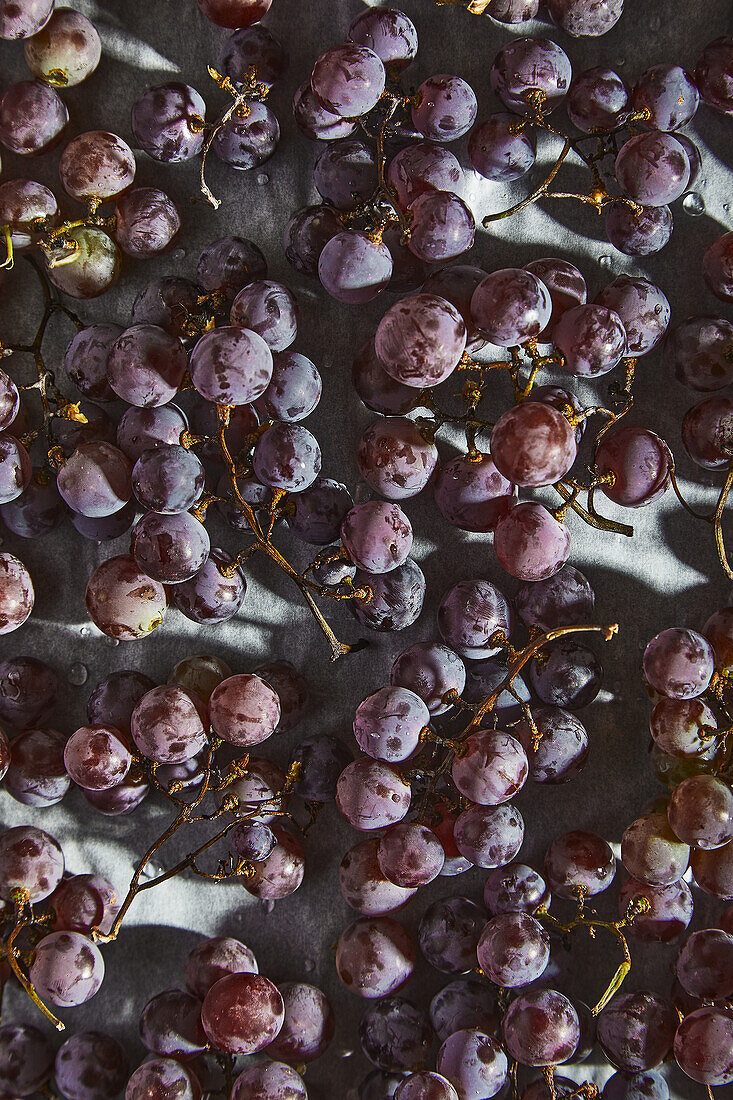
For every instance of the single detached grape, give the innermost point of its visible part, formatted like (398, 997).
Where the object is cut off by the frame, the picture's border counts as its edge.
(702, 1045)
(90, 1065)
(638, 232)
(640, 464)
(699, 351)
(146, 222)
(584, 20)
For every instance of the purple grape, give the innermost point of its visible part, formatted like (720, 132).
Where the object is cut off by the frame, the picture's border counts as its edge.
(388, 724)
(472, 494)
(489, 836)
(703, 1044)
(168, 479)
(248, 141)
(268, 309)
(294, 389)
(511, 306)
(353, 268)
(374, 956)
(66, 51)
(561, 600)
(37, 511)
(584, 20)
(96, 264)
(679, 663)
(234, 13)
(306, 235)
(364, 885)
(513, 950)
(562, 750)
(167, 725)
(395, 598)
(315, 121)
(123, 601)
(161, 1077)
(96, 165)
(377, 389)
(717, 267)
(652, 853)
(86, 360)
(231, 366)
(426, 1085)
(530, 543)
(254, 52)
(322, 758)
(26, 1056)
(636, 1030)
(515, 888)
(67, 969)
(95, 481)
(253, 842)
(431, 671)
(146, 222)
(83, 902)
(90, 1065)
(377, 536)
(643, 308)
(170, 548)
(210, 596)
(579, 862)
(269, 1081)
(410, 855)
(372, 794)
(707, 432)
(97, 758)
(168, 122)
(22, 202)
(566, 674)
(242, 1013)
(533, 444)
(9, 398)
(456, 284)
(282, 872)
(531, 75)
(445, 108)
(287, 458)
(214, 958)
(470, 615)
(389, 33)
(170, 1024)
(441, 228)
(649, 1085)
(714, 74)
(244, 710)
(668, 914)
(348, 80)
(395, 458)
(227, 265)
(699, 352)
(652, 168)
(167, 303)
(345, 174)
(474, 1063)
(146, 365)
(36, 775)
(420, 168)
(597, 100)
(512, 11)
(591, 340)
(33, 118)
(120, 800)
(291, 688)
(28, 691)
(420, 340)
(638, 232)
(462, 1004)
(491, 769)
(31, 865)
(114, 699)
(319, 511)
(669, 94)
(395, 1035)
(16, 468)
(683, 727)
(700, 812)
(21, 20)
(704, 966)
(16, 593)
(541, 1028)
(501, 148)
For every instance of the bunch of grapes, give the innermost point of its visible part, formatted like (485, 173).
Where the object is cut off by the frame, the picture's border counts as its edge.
(169, 120)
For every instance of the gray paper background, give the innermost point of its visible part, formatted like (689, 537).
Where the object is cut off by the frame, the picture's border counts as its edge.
(668, 574)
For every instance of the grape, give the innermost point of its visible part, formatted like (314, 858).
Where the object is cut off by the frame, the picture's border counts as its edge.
(36, 775)
(377, 389)
(717, 267)
(316, 122)
(86, 360)
(22, 202)
(319, 511)
(120, 800)
(37, 511)
(322, 758)
(96, 165)
(719, 632)
(96, 758)
(16, 593)
(699, 350)
(442, 226)
(168, 479)
(531, 71)
(67, 969)
(260, 783)
(345, 174)
(705, 965)
(216, 958)
(20, 20)
(420, 340)
(578, 863)
(294, 389)
(16, 469)
(167, 303)
(474, 1063)
(669, 94)
(582, 19)
(430, 670)
(652, 168)
(445, 108)
(591, 340)
(652, 853)
(541, 1028)
(707, 432)
(713, 74)
(244, 710)
(234, 13)
(538, 1090)
(533, 444)
(199, 674)
(530, 543)
(512, 11)
(269, 1081)
(374, 956)
(32, 118)
(282, 872)
(389, 723)
(287, 457)
(146, 365)
(491, 768)
(9, 396)
(95, 481)
(701, 812)
(170, 1024)
(643, 309)
(231, 366)
(648, 1085)
(566, 674)
(363, 884)
(377, 536)
(146, 222)
(83, 902)
(638, 232)
(348, 80)
(425, 1085)
(28, 689)
(170, 549)
(254, 51)
(395, 1035)
(462, 1004)
(107, 527)
(395, 598)
(353, 268)
(211, 596)
(489, 836)
(26, 1056)
(123, 601)
(513, 950)
(502, 148)
(561, 600)
(515, 889)
(679, 663)
(640, 463)
(703, 1044)
(597, 100)
(90, 1066)
(470, 615)
(511, 306)
(114, 699)
(252, 842)
(95, 267)
(484, 677)
(242, 1013)
(66, 51)
(636, 1030)
(389, 33)
(245, 142)
(683, 727)
(562, 750)
(141, 429)
(395, 458)
(168, 122)
(306, 235)
(159, 1078)
(167, 725)
(420, 168)
(227, 265)
(371, 794)
(410, 854)
(291, 689)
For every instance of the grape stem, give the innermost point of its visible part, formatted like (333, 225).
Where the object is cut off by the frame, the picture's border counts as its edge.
(21, 922)
(715, 517)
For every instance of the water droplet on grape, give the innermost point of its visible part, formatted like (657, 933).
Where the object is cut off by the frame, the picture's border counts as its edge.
(309, 966)
(263, 178)
(605, 261)
(77, 674)
(693, 204)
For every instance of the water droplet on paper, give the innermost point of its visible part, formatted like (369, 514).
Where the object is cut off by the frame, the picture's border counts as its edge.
(179, 254)
(621, 61)
(84, 632)
(78, 674)
(263, 178)
(268, 905)
(111, 641)
(346, 1053)
(693, 204)
(726, 206)
(655, 22)
(605, 261)
(309, 966)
